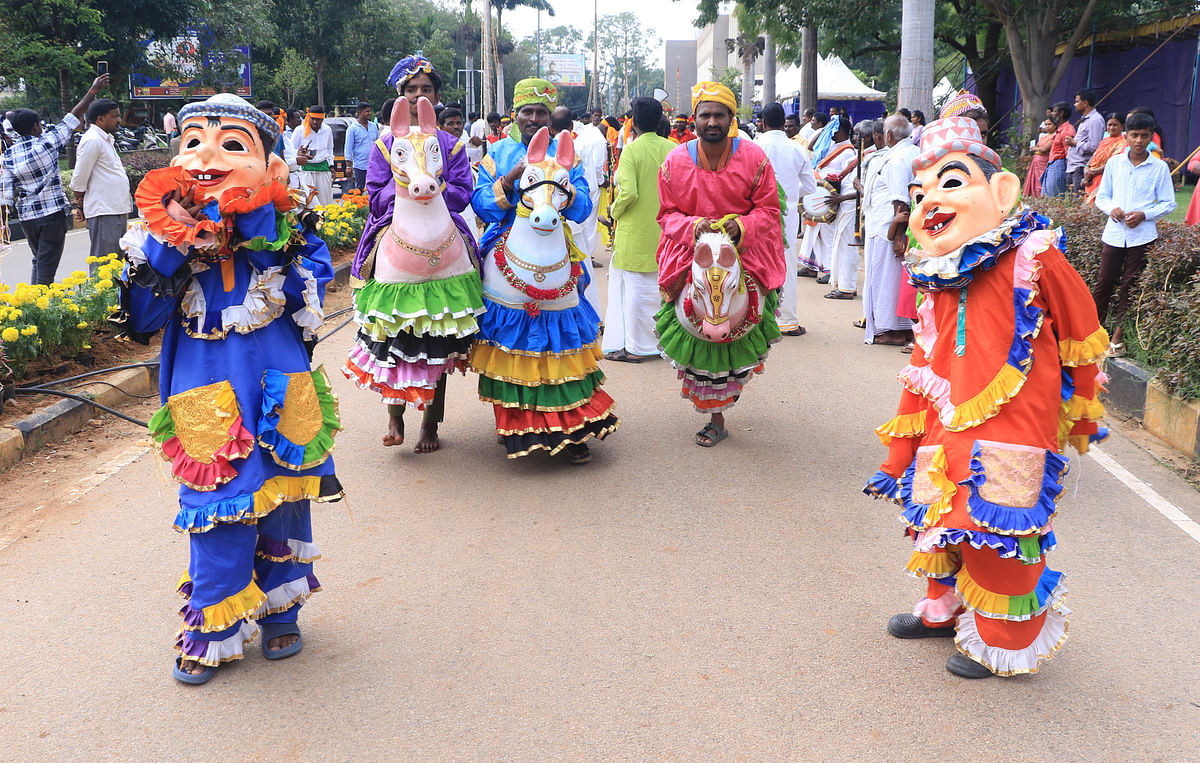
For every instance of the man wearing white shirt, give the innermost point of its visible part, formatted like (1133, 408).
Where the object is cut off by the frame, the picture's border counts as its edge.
(592, 150)
(313, 142)
(886, 186)
(477, 140)
(794, 172)
(99, 181)
(1135, 190)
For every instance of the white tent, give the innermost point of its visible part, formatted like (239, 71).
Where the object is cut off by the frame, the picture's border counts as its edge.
(942, 92)
(835, 82)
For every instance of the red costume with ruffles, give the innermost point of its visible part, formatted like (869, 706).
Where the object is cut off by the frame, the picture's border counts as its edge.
(1005, 373)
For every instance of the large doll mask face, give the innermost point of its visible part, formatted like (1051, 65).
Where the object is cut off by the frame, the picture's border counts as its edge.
(953, 202)
(223, 153)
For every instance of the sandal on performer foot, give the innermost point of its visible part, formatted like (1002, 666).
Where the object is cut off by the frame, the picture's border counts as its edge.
(861, 323)
(908, 348)
(713, 433)
(798, 331)
(621, 356)
(578, 454)
(276, 630)
(1116, 350)
(193, 679)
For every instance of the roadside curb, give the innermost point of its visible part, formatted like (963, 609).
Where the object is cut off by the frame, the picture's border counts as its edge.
(66, 417)
(1133, 390)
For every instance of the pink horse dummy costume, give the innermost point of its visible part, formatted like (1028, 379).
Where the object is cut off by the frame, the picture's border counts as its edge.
(1004, 375)
(237, 280)
(416, 314)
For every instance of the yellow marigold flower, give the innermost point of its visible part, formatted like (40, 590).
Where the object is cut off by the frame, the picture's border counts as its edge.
(43, 302)
(16, 314)
(104, 283)
(72, 308)
(29, 331)
(81, 325)
(10, 334)
(90, 259)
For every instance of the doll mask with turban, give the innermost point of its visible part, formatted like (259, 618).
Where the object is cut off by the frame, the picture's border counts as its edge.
(227, 143)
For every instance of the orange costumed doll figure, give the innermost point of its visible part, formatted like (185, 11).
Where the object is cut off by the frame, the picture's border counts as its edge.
(1004, 375)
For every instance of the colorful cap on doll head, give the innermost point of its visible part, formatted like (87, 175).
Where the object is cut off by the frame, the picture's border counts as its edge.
(230, 105)
(947, 136)
(961, 103)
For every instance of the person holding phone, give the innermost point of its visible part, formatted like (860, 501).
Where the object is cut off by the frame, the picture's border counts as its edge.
(29, 180)
(313, 142)
(100, 182)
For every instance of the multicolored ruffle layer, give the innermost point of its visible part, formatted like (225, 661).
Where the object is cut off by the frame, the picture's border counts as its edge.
(546, 394)
(1032, 519)
(714, 373)
(250, 507)
(1012, 662)
(200, 432)
(299, 418)
(410, 334)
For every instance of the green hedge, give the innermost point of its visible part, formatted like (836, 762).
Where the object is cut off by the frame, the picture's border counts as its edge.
(1163, 327)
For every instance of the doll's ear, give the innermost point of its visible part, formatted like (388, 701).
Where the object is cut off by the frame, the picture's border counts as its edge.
(277, 168)
(1006, 190)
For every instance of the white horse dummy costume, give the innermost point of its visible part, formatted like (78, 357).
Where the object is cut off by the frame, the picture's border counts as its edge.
(538, 354)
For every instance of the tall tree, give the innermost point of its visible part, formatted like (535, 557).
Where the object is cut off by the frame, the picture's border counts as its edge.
(916, 55)
(1034, 30)
(508, 5)
(625, 44)
(748, 46)
(316, 29)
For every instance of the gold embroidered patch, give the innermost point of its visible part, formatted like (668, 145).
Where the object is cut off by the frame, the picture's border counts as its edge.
(923, 489)
(1014, 474)
(199, 425)
(300, 421)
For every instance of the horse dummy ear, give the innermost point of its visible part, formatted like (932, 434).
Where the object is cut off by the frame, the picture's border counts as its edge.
(566, 150)
(726, 256)
(704, 255)
(538, 146)
(426, 118)
(401, 114)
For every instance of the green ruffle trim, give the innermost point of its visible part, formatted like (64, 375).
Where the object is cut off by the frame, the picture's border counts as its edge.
(162, 425)
(714, 357)
(445, 307)
(544, 397)
(285, 226)
(294, 455)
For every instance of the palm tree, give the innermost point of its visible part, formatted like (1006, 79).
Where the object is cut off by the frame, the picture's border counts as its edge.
(501, 6)
(748, 47)
(916, 56)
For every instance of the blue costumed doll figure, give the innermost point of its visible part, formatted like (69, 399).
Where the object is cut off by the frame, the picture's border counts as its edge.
(235, 279)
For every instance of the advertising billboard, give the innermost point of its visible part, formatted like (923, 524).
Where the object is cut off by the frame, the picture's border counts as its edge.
(183, 59)
(564, 69)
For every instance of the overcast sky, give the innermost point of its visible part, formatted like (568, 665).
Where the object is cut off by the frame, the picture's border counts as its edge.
(670, 19)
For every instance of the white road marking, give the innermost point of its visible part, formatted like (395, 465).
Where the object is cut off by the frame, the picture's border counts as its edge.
(103, 472)
(1146, 493)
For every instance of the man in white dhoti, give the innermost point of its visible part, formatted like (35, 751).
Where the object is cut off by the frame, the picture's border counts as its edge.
(883, 268)
(794, 172)
(313, 143)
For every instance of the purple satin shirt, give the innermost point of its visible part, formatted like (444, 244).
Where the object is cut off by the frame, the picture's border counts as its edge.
(381, 195)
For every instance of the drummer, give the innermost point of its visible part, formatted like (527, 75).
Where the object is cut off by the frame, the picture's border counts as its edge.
(838, 167)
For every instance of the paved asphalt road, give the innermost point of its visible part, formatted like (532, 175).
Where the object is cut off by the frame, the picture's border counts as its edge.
(665, 601)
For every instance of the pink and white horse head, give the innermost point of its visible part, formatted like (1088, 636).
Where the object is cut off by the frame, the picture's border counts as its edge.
(416, 157)
(546, 181)
(422, 242)
(535, 248)
(714, 305)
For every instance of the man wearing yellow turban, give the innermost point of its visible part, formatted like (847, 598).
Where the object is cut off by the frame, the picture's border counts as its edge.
(718, 183)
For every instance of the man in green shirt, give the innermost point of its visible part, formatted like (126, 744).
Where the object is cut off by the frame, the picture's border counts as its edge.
(633, 278)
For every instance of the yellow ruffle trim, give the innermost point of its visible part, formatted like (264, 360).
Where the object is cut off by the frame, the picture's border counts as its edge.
(932, 564)
(944, 485)
(240, 606)
(1074, 410)
(1073, 352)
(904, 425)
(532, 371)
(285, 489)
(986, 404)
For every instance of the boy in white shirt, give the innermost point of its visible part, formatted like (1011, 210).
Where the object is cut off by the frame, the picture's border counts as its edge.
(1135, 190)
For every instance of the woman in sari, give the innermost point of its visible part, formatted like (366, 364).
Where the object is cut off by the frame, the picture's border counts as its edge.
(1113, 144)
(1041, 150)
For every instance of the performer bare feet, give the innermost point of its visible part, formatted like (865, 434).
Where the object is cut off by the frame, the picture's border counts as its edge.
(428, 442)
(395, 435)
